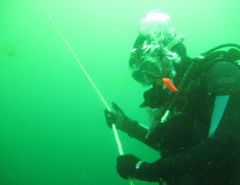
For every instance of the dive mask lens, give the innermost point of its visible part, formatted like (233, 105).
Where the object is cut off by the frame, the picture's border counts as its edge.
(151, 67)
(147, 73)
(140, 77)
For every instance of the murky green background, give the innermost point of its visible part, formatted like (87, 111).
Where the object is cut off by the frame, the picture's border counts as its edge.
(52, 128)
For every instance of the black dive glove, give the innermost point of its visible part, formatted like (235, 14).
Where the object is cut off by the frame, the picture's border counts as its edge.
(117, 117)
(126, 165)
(130, 166)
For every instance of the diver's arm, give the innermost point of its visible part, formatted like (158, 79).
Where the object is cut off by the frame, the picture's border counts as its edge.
(211, 153)
(139, 131)
(125, 124)
(218, 149)
(207, 155)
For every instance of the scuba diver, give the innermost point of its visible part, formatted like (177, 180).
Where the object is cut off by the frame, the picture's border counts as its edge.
(194, 105)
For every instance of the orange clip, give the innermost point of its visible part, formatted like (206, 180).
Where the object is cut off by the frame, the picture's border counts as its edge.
(171, 87)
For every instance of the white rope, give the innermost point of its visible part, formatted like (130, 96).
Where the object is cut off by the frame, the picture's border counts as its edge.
(90, 80)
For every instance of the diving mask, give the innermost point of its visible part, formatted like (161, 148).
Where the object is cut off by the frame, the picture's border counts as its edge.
(151, 56)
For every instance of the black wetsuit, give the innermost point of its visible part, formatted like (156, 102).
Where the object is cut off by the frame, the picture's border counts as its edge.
(188, 155)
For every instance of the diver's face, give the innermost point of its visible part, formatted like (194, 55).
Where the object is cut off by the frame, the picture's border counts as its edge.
(153, 67)
(147, 79)
(149, 71)
(153, 80)
(158, 82)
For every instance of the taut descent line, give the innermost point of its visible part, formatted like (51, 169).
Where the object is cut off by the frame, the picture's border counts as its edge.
(78, 61)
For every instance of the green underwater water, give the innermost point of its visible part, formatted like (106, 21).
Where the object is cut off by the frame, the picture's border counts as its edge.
(52, 128)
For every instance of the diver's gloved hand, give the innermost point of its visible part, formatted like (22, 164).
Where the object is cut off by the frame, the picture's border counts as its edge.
(154, 97)
(117, 117)
(130, 166)
(127, 165)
